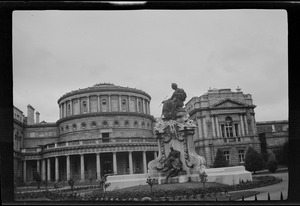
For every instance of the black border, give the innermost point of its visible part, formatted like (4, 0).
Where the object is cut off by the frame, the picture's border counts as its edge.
(6, 76)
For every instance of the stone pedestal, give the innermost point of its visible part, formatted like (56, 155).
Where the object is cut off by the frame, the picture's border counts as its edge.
(179, 135)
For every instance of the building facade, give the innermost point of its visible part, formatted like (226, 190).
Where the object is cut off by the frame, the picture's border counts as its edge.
(103, 129)
(272, 134)
(225, 120)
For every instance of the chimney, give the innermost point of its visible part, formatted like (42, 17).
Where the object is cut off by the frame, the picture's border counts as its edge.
(37, 117)
(30, 115)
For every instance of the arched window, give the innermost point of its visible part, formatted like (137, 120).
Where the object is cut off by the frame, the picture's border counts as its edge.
(74, 126)
(69, 109)
(67, 128)
(126, 123)
(143, 124)
(135, 124)
(228, 127)
(105, 124)
(93, 124)
(83, 125)
(116, 123)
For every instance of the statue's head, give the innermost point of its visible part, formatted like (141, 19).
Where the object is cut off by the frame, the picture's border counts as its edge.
(174, 86)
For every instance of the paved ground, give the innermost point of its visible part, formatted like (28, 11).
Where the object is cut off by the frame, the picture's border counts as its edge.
(274, 190)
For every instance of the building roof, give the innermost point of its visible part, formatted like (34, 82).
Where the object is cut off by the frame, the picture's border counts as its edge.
(104, 87)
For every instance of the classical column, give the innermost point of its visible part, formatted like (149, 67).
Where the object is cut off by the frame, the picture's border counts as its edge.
(213, 126)
(149, 107)
(137, 104)
(88, 104)
(82, 167)
(120, 103)
(218, 127)
(68, 167)
(48, 169)
(24, 171)
(145, 162)
(98, 166)
(115, 163)
(199, 128)
(205, 127)
(254, 124)
(144, 106)
(43, 169)
(109, 107)
(98, 103)
(65, 110)
(130, 162)
(71, 107)
(38, 166)
(233, 129)
(59, 111)
(56, 169)
(246, 124)
(242, 125)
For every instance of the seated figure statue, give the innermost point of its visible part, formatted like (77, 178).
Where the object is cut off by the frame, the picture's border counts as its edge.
(173, 164)
(174, 105)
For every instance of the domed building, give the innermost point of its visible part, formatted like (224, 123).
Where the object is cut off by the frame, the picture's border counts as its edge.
(103, 129)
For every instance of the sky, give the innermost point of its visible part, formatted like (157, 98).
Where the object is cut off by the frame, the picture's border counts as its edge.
(55, 52)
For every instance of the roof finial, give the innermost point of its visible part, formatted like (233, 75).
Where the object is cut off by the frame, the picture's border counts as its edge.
(238, 89)
(209, 89)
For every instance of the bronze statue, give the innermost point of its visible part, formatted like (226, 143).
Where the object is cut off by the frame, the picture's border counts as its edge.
(174, 105)
(173, 164)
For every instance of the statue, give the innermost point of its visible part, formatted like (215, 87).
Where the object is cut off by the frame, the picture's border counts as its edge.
(173, 164)
(173, 106)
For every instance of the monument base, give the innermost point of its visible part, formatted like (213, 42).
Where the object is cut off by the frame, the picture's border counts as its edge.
(223, 175)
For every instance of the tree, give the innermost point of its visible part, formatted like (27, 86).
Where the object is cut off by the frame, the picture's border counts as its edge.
(253, 160)
(150, 182)
(37, 177)
(103, 183)
(71, 182)
(272, 163)
(220, 160)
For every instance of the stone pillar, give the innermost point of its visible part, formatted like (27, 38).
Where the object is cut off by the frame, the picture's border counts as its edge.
(71, 107)
(145, 162)
(130, 162)
(98, 166)
(59, 111)
(56, 169)
(246, 124)
(129, 103)
(109, 106)
(137, 104)
(48, 170)
(43, 169)
(88, 104)
(115, 163)
(149, 107)
(65, 110)
(98, 104)
(213, 126)
(254, 124)
(242, 125)
(120, 103)
(68, 167)
(38, 166)
(200, 135)
(24, 171)
(204, 127)
(82, 167)
(218, 127)
(233, 130)
(144, 107)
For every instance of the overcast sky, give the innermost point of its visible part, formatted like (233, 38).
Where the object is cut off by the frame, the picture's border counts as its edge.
(55, 52)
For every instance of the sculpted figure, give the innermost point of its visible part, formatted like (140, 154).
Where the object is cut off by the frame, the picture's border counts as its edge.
(173, 105)
(173, 164)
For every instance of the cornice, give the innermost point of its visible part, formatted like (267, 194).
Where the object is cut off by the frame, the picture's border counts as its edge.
(103, 89)
(220, 108)
(96, 114)
(42, 125)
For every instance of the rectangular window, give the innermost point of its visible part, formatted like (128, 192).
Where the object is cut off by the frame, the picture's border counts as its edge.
(226, 154)
(241, 156)
(105, 137)
(222, 129)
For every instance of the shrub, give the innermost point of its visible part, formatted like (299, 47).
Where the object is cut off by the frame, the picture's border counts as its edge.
(220, 160)
(203, 178)
(253, 161)
(37, 177)
(272, 165)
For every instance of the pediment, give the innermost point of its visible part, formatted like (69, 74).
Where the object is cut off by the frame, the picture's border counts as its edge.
(228, 103)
